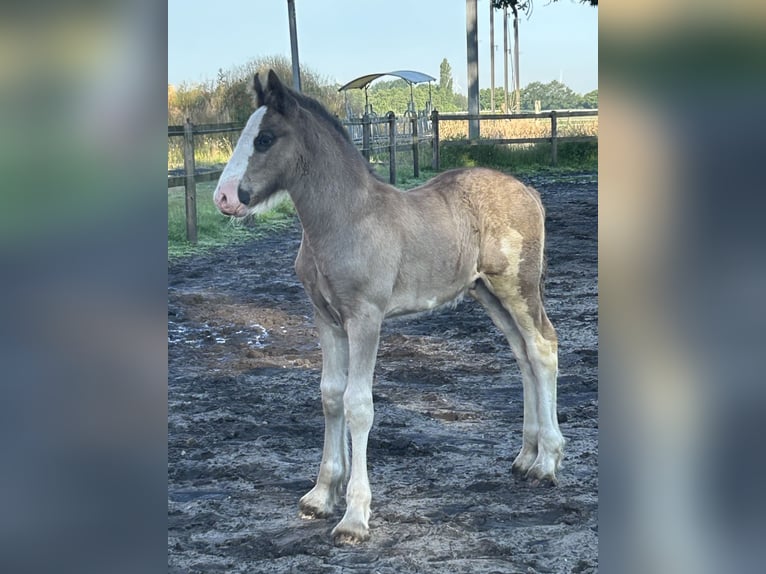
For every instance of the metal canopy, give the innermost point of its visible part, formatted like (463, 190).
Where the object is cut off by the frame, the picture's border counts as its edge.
(410, 76)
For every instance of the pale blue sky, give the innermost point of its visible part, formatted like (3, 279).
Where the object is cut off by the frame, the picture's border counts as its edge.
(343, 39)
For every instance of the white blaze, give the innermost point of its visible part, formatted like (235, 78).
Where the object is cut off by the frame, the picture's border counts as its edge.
(235, 168)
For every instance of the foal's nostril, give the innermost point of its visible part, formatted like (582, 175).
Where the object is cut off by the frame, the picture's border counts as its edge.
(244, 197)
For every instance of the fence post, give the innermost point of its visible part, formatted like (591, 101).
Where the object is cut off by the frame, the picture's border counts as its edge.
(366, 136)
(391, 147)
(435, 140)
(554, 138)
(415, 154)
(190, 185)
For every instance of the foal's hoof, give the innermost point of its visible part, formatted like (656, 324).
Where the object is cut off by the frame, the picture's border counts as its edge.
(349, 533)
(309, 510)
(519, 471)
(539, 477)
(546, 481)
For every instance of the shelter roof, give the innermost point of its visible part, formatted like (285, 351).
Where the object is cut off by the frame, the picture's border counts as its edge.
(410, 76)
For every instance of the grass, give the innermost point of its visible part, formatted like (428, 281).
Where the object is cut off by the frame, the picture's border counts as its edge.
(523, 159)
(208, 150)
(214, 229)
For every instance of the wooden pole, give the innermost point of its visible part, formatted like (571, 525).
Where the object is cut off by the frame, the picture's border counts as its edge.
(472, 42)
(190, 184)
(435, 140)
(517, 97)
(366, 135)
(415, 154)
(506, 110)
(492, 57)
(391, 147)
(554, 138)
(294, 45)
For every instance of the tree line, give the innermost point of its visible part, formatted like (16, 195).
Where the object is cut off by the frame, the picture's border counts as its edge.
(228, 97)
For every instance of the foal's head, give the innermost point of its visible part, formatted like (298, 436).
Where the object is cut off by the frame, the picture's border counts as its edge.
(281, 138)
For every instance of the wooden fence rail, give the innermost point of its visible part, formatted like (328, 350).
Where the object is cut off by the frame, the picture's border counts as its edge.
(386, 134)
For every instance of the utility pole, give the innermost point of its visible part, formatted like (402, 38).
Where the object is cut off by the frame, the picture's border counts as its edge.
(517, 97)
(492, 56)
(472, 43)
(294, 45)
(507, 110)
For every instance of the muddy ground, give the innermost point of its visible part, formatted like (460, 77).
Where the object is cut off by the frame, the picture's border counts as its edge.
(245, 421)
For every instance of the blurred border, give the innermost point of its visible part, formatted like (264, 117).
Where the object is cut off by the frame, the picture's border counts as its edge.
(682, 280)
(83, 263)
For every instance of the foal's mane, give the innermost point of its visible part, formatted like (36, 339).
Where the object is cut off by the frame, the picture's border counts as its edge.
(315, 107)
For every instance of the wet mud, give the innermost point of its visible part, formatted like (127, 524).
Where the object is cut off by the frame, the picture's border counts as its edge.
(245, 421)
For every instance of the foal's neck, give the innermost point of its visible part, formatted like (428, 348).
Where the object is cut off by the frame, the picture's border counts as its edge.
(334, 188)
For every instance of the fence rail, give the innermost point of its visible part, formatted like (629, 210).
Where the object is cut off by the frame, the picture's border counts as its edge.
(375, 135)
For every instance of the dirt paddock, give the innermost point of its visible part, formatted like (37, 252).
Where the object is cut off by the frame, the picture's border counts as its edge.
(245, 423)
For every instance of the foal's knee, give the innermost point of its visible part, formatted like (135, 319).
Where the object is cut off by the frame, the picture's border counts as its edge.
(358, 410)
(332, 399)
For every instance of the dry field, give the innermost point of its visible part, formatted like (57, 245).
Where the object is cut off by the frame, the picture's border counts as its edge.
(521, 128)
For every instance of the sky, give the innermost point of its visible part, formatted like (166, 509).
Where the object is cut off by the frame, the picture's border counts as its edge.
(343, 39)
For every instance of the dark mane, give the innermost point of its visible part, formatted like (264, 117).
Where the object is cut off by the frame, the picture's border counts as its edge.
(317, 108)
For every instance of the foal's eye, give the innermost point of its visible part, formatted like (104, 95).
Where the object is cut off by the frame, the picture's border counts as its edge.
(264, 141)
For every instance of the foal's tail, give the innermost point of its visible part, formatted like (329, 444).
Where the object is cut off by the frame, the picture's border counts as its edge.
(544, 267)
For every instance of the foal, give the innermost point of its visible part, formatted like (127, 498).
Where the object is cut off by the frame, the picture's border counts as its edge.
(370, 251)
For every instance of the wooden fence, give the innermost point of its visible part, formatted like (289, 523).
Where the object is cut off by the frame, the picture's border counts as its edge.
(554, 138)
(375, 135)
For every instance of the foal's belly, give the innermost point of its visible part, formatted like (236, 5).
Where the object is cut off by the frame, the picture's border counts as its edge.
(425, 298)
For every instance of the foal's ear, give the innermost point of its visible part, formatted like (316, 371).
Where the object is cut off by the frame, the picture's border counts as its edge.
(274, 94)
(260, 98)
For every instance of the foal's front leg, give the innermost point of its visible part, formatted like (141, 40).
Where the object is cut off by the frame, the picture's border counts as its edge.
(321, 500)
(363, 334)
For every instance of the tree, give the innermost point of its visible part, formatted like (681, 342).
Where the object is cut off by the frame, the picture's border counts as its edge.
(445, 76)
(552, 96)
(590, 100)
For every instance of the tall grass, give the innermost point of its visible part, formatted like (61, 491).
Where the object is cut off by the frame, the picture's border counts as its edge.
(520, 128)
(209, 150)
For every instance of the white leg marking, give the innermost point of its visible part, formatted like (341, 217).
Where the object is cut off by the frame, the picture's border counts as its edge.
(321, 500)
(357, 401)
(550, 441)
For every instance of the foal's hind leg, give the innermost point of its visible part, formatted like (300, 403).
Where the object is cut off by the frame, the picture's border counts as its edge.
(503, 320)
(321, 500)
(541, 354)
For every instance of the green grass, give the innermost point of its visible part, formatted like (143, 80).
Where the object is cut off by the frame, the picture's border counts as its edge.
(523, 159)
(214, 229)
